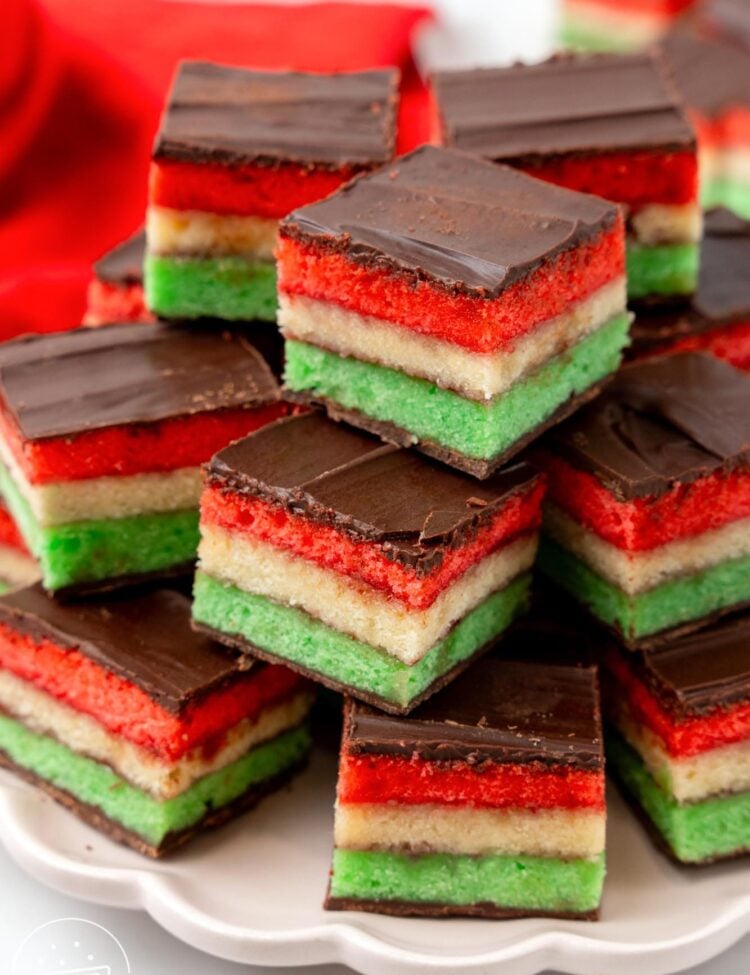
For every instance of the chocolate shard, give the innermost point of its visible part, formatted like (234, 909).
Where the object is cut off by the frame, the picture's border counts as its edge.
(335, 475)
(567, 104)
(123, 265)
(504, 709)
(231, 116)
(144, 637)
(723, 293)
(445, 216)
(668, 419)
(66, 383)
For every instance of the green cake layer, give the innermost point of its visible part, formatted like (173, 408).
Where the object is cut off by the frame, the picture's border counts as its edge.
(233, 288)
(294, 636)
(662, 269)
(523, 883)
(476, 430)
(97, 785)
(727, 193)
(708, 830)
(577, 35)
(92, 551)
(680, 600)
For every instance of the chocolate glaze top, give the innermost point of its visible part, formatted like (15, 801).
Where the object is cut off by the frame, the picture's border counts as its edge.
(445, 216)
(123, 264)
(702, 671)
(233, 116)
(503, 709)
(145, 638)
(710, 74)
(723, 293)
(65, 383)
(730, 17)
(666, 420)
(568, 104)
(333, 474)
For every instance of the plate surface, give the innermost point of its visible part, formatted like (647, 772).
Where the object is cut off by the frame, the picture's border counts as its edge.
(252, 893)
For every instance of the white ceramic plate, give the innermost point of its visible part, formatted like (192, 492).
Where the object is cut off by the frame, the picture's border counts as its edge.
(252, 893)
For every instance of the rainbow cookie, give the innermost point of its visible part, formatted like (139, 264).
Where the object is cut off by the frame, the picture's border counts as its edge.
(147, 731)
(713, 77)
(115, 293)
(680, 741)
(452, 304)
(102, 434)
(604, 124)
(488, 800)
(367, 567)
(717, 320)
(648, 517)
(237, 150)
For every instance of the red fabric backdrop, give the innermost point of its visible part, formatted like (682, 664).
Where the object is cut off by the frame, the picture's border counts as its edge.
(81, 88)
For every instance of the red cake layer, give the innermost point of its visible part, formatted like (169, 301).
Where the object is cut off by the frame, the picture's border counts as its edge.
(661, 7)
(124, 709)
(636, 179)
(116, 303)
(732, 343)
(332, 549)
(644, 523)
(182, 441)
(251, 190)
(411, 781)
(689, 736)
(9, 533)
(735, 126)
(480, 325)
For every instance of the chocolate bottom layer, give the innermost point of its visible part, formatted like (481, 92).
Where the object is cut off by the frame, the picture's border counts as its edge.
(411, 909)
(172, 841)
(178, 577)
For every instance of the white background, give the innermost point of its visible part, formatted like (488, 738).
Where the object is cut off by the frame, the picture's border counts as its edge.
(472, 32)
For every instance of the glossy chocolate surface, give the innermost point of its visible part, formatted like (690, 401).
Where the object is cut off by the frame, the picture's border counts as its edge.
(568, 104)
(504, 708)
(449, 218)
(232, 116)
(70, 382)
(146, 638)
(665, 420)
(336, 475)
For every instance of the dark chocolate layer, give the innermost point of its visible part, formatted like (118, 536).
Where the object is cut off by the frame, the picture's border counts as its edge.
(697, 672)
(710, 74)
(376, 492)
(485, 910)
(731, 18)
(232, 116)
(69, 382)
(475, 466)
(723, 294)
(504, 709)
(449, 218)
(123, 265)
(666, 420)
(145, 638)
(569, 104)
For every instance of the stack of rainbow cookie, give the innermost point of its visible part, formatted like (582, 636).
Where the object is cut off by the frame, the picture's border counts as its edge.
(454, 323)
(237, 150)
